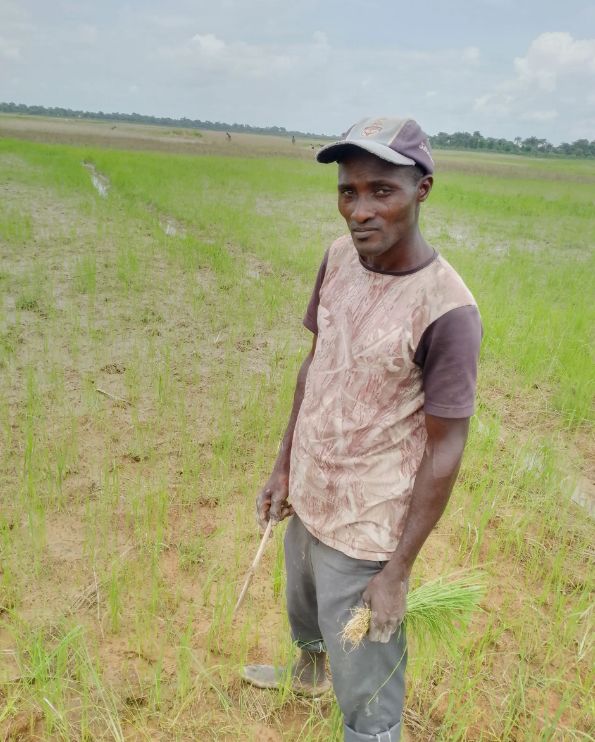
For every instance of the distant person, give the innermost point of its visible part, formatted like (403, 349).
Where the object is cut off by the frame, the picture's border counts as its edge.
(228, 135)
(377, 431)
(293, 140)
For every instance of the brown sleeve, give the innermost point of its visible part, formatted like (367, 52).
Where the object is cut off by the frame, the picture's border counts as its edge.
(311, 318)
(447, 354)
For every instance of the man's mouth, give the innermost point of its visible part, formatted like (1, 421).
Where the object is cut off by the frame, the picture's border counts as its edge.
(363, 233)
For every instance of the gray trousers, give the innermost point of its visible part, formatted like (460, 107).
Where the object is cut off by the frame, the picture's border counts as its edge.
(323, 584)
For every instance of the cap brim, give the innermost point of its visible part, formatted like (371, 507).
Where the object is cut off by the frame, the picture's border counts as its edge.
(332, 152)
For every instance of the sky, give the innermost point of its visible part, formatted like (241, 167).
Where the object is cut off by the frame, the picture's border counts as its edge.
(504, 67)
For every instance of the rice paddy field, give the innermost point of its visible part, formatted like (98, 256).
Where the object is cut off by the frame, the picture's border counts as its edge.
(150, 335)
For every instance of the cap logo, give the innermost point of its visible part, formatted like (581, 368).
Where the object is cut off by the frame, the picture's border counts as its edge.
(374, 128)
(427, 151)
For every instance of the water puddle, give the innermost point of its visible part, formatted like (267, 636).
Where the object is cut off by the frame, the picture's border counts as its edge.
(172, 229)
(584, 495)
(101, 182)
(583, 490)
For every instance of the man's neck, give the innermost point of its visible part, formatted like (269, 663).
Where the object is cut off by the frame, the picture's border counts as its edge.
(405, 255)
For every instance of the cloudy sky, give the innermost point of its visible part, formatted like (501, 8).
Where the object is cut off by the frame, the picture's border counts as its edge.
(505, 67)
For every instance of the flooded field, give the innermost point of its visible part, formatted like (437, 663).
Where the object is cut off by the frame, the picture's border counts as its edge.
(150, 334)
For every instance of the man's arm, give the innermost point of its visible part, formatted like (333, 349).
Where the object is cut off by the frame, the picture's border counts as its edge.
(387, 592)
(272, 499)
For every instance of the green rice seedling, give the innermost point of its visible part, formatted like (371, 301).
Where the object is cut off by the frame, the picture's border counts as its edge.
(29, 301)
(213, 575)
(184, 662)
(85, 274)
(105, 705)
(9, 583)
(9, 341)
(191, 552)
(438, 612)
(15, 227)
(116, 604)
(278, 571)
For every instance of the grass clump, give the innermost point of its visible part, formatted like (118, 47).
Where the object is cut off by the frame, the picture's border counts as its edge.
(27, 302)
(438, 612)
(191, 552)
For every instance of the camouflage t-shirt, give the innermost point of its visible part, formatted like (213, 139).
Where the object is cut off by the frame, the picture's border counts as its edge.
(391, 346)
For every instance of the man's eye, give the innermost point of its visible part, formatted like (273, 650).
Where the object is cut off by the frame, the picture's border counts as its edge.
(383, 191)
(347, 192)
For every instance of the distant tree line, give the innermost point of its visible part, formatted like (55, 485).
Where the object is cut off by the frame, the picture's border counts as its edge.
(139, 118)
(581, 148)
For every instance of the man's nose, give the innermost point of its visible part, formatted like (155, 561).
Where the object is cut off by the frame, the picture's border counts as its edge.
(362, 211)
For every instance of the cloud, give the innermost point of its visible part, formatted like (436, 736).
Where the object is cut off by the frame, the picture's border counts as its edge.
(470, 55)
(304, 66)
(549, 115)
(553, 57)
(209, 44)
(205, 56)
(554, 81)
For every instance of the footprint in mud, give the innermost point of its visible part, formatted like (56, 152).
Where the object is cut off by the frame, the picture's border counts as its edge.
(261, 733)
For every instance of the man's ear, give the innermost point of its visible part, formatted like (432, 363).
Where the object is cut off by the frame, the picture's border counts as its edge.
(424, 187)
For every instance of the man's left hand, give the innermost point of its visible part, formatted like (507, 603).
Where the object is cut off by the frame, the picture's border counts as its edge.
(386, 595)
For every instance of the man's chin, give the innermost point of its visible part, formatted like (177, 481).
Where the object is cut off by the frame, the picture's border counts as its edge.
(370, 247)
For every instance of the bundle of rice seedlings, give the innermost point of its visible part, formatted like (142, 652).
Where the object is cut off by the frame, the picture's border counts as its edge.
(355, 629)
(438, 612)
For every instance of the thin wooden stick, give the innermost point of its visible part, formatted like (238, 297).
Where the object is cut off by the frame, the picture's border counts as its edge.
(252, 569)
(112, 396)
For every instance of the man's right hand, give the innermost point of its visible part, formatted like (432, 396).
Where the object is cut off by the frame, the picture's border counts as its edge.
(271, 502)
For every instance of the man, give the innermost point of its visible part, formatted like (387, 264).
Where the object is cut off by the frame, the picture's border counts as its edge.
(378, 427)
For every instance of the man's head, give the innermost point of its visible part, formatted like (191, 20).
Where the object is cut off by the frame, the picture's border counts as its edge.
(385, 173)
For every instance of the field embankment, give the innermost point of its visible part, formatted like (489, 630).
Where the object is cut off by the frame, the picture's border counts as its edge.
(149, 340)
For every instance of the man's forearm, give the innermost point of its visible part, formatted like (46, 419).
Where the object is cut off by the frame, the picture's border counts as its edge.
(433, 486)
(386, 593)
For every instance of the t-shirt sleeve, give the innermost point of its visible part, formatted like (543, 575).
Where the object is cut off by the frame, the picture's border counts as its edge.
(447, 355)
(311, 318)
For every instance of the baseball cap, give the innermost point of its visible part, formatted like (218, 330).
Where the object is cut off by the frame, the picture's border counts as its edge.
(398, 140)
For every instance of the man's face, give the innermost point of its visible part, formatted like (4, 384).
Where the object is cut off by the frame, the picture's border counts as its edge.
(379, 201)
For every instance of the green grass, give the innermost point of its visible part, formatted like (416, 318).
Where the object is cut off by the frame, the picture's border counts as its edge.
(128, 520)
